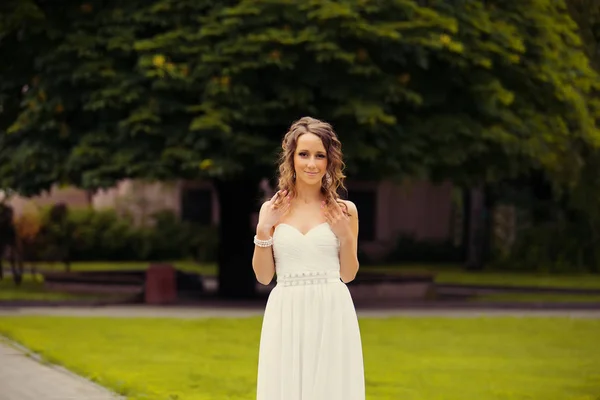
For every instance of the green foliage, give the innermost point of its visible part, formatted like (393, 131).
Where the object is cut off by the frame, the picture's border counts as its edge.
(470, 92)
(586, 13)
(172, 88)
(561, 232)
(560, 242)
(171, 239)
(555, 247)
(409, 249)
(105, 235)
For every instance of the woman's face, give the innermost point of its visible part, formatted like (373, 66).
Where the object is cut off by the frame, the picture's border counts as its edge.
(310, 159)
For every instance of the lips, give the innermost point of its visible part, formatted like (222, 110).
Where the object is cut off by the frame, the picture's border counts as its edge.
(312, 173)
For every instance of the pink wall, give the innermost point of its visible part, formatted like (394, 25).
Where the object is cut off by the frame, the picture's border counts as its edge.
(418, 209)
(421, 209)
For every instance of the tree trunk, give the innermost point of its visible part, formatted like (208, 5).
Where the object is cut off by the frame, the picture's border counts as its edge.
(479, 227)
(238, 200)
(475, 230)
(16, 265)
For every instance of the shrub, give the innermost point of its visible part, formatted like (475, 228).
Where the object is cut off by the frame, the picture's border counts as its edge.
(409, 249)
(553, 247)
(105, 235)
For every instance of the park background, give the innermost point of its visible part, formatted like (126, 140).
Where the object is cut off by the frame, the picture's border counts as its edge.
(146, 134)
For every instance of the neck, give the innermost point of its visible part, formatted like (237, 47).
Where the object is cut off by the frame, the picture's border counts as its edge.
(308, 193)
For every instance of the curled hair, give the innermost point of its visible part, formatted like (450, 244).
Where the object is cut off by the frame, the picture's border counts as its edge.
(333, 180)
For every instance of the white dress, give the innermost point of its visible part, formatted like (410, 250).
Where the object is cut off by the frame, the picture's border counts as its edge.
(310, 345)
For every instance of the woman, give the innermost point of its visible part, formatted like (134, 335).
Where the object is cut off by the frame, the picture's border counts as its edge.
(310, 346)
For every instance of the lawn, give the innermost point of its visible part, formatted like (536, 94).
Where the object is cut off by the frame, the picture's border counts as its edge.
(33, 289)
(449, 274)
(537, 298)
(456, 275)
(405, 358)
(188, 266)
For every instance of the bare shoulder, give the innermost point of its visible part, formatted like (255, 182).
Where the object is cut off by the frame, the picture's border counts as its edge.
(353, 213)
(264, 206)
(352, 210)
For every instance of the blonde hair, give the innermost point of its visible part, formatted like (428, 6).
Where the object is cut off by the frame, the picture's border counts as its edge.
(333, 180)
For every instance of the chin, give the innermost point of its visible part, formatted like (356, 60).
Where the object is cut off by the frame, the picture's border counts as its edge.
(312, 181)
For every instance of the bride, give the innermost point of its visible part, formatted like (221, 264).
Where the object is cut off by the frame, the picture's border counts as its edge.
(310, 346)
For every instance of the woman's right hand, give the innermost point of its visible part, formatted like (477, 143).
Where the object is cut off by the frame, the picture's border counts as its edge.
(272, 211)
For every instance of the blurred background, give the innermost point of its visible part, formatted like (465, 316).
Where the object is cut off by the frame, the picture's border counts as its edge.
(138, 140)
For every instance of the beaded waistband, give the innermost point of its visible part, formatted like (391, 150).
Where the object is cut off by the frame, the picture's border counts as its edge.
(308, 278)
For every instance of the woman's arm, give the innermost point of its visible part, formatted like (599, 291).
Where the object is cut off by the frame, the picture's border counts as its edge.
(349, 247)
(263, 262)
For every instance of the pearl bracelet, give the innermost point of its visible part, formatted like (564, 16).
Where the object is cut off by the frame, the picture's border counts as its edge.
(263, 243)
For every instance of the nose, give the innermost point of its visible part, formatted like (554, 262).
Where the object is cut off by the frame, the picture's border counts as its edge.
(311, 163)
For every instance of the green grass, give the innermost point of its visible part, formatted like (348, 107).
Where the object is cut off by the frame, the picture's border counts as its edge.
(405, 358)
(188, 266)
(455, 275)
(33, 289)
(444, 274)
(537, 298)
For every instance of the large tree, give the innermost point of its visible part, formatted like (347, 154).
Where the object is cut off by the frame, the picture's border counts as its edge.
(586, 13)
(196, 89)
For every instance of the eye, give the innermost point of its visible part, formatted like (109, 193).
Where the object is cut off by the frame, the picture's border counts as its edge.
(302, 154)
(321, 156)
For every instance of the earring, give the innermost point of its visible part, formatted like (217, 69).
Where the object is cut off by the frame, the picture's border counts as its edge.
(327, 179)
(294, 176)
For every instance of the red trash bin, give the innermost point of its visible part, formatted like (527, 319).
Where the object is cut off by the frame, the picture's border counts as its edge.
(161, 284)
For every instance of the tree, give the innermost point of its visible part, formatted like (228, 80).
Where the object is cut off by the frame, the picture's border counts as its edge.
(586, 13)
(188, 89)
(9, 244)
(564, 165)
(581, 205)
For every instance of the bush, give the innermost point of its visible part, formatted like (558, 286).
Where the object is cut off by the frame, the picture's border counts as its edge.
(28, 226)
(170, 238)
(409, 249)
(555, 246)
(105, 235)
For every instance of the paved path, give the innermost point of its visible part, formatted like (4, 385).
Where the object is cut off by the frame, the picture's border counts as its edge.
(242, 312)
(22, 377)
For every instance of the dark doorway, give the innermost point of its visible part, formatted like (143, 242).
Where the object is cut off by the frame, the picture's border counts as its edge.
(366, 202)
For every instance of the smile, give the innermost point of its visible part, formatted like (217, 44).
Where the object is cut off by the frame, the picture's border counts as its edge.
(312, 173)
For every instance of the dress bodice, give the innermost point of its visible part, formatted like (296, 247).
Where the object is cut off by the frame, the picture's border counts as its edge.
(315, 251)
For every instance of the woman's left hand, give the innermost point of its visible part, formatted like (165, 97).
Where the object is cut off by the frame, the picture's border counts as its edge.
(337, 220)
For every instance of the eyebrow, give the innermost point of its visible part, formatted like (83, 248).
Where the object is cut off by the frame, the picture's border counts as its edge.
(318, 151)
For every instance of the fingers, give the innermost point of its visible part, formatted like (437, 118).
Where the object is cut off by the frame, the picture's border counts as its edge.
(336, 205)
(285, 206)
(326, 213)
(274, 197)
(282, 205)
(278, 198)
(334, 213)
(330, 214)
(341, 208)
